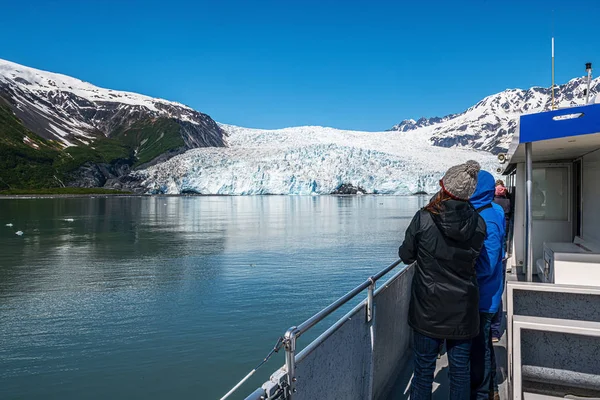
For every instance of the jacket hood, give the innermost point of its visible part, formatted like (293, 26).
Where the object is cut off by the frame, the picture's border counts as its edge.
(485, 190)
(458, 220)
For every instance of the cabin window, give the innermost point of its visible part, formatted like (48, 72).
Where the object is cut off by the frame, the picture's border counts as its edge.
(550, 193)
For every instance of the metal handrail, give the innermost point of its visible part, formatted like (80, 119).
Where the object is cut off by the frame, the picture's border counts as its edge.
(289, 339)
(321, 315)
(292, 334)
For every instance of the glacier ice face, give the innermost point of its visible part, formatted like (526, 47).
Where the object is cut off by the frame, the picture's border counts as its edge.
(310, 160)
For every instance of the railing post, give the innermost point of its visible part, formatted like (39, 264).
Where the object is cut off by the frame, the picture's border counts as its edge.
(529, 262)
(370, 292)
(371, 324)
(290, 359)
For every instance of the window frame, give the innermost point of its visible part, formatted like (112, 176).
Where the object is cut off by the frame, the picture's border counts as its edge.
(569, 172)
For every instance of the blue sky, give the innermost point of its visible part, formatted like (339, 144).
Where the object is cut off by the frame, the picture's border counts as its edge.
(270, 64)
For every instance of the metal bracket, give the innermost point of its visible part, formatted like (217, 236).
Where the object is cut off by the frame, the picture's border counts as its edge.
(289, 343)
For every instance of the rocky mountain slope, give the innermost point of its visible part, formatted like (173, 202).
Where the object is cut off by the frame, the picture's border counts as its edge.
(106, 131)
(490, 124)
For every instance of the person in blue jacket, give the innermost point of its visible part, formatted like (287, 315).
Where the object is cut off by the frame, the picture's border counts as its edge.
(488, 268)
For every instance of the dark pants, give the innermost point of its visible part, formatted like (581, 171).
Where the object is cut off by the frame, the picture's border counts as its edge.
(496, 324)
(425, 356)
(497, 320)
(496, 327)
(483, 360)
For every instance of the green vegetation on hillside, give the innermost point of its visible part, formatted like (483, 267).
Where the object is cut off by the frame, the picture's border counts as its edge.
(101, 150)
(60, 191)
(151, 138)
(21, 163)
(28, 161)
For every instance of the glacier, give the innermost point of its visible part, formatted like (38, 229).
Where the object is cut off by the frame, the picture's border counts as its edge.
(310, 160)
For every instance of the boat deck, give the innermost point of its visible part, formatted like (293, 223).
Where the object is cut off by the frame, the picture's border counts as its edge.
(441, 384)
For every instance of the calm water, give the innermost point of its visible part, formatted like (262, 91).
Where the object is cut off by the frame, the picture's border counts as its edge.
(174, 297)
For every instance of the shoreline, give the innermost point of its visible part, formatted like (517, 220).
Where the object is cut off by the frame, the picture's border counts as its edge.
(58, 196)
(104, 195)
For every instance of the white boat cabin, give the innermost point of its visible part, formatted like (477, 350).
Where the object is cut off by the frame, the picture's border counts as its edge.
(564, 160)
(553, 292)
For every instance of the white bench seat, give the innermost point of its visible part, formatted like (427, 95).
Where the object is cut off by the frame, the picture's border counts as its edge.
(566, 378)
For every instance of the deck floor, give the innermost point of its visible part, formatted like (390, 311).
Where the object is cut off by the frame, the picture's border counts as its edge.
(441, 385)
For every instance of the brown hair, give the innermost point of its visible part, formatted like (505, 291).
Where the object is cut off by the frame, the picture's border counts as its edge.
(435, 205)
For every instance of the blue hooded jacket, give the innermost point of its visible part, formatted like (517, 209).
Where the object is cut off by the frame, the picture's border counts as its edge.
(489, 264)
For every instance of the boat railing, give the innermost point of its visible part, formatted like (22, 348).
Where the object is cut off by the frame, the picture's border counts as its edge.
(292, 334)
(357, 340)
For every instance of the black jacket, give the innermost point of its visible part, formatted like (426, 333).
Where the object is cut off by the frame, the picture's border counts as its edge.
(444, 300)
(504, 202)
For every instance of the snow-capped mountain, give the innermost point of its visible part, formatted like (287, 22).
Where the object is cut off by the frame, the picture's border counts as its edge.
(310, 160)
(315, 160)
(91, 136)
(73, 112)
(490, 124)
(58, 130)
(411, 124)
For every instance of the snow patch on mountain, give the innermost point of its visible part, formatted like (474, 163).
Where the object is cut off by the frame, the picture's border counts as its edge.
(310, 160)
(490, 124)
(72, 112)
(36, 80)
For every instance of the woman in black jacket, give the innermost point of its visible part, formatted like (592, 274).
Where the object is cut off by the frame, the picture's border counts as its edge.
(444, 239)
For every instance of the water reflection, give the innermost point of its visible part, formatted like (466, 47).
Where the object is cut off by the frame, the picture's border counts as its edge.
(161, 297)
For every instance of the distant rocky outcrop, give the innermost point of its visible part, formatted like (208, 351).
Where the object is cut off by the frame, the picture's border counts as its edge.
(348, 188)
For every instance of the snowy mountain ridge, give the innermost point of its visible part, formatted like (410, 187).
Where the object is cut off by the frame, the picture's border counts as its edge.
(74, 112)
(43, 81)
(490, 124)
(317, 160)
(111, 133)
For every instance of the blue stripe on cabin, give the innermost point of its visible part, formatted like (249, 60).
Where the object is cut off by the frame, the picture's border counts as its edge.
(575, 121)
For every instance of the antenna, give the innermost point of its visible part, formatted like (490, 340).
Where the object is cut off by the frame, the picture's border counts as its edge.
(588, 69)
(553, 107)
(553, 73)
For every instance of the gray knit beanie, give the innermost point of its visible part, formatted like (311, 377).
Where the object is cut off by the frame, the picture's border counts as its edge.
(460, 181)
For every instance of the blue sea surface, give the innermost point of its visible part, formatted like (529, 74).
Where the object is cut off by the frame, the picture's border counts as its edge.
(175, 297)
